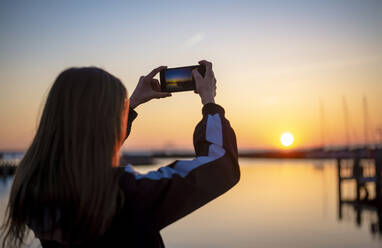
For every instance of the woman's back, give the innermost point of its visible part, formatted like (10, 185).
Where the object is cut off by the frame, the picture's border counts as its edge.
(126, 230)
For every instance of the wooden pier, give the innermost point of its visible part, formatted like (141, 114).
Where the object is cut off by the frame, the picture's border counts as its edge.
(362, 171)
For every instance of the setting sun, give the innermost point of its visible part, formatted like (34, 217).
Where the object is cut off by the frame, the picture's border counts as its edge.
(286, 139)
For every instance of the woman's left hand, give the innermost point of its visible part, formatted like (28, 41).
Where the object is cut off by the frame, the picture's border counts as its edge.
(147, 88)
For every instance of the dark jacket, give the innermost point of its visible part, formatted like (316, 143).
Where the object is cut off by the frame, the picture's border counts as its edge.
(159, 198)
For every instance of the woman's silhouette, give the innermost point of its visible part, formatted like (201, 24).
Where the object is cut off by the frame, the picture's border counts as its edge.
(69, 188)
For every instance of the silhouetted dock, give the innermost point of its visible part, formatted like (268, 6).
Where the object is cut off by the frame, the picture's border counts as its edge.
(362, 169)
(363, 173)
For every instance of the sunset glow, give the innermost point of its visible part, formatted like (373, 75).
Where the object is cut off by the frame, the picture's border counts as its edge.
(277, 67)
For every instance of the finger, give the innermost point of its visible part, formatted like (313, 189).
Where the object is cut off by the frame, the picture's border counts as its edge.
(162, 94)
(155, 85)
(196, 74)
(155, 71)
(208, 66)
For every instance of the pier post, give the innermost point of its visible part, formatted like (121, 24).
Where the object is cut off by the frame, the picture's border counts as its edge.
(357, 175)
(378, 177)
(339, 179)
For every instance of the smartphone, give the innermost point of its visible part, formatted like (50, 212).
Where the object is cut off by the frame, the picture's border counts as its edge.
(179, 78)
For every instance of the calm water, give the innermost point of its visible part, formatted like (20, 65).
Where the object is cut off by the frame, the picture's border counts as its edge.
(277, 203)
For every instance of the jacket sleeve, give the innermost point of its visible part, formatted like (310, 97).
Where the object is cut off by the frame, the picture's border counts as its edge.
(163, 196)
(130, 119)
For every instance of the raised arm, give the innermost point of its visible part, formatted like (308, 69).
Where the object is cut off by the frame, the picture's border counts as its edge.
(163, 196)
(130, 119)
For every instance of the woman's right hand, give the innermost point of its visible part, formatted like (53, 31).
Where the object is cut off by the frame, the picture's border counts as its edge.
(148, 88)
(205, 86)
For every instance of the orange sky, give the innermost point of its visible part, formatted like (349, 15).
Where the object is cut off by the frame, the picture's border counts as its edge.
(274, 64)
